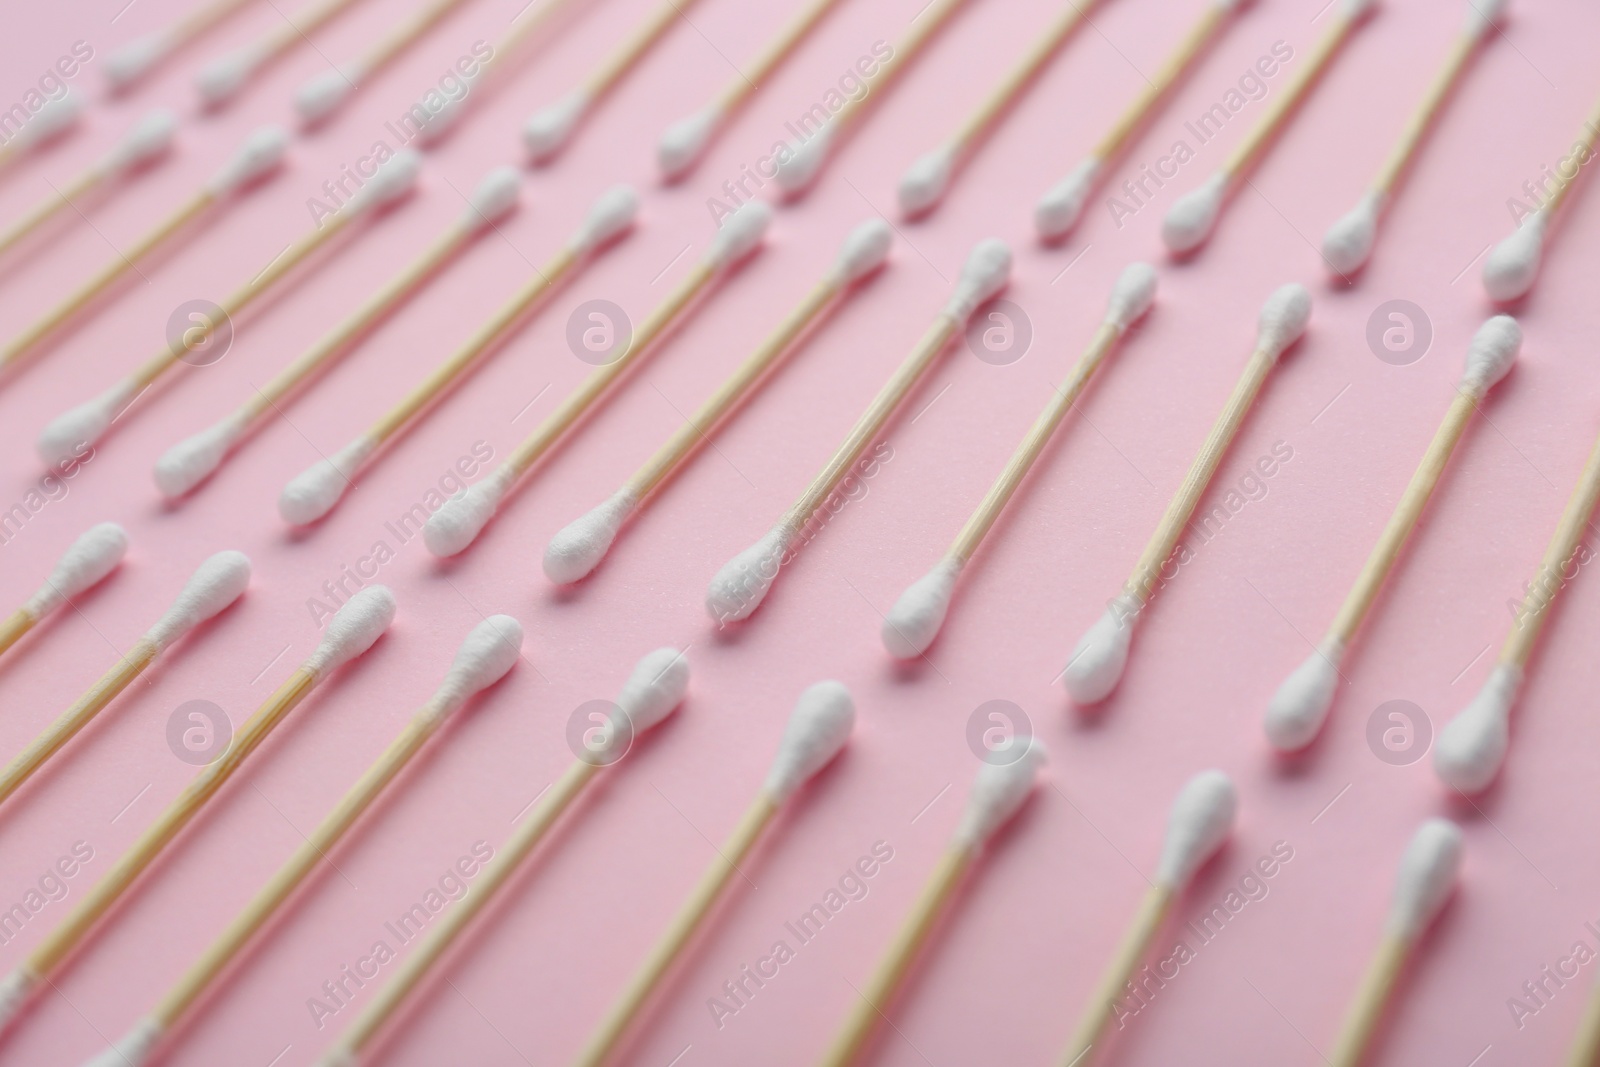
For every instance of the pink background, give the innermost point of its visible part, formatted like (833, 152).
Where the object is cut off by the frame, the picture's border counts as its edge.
(1026, 942)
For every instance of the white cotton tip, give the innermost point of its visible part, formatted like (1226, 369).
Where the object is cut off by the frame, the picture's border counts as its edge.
(441, 122)
(191, 461)
(494, 198)
(339, 1057)
(740, 234)
(220, 80)
(684, 142)
(1509, 271)
(818, 729)
(1097, 662)
(1428, 873)
(132, 61)
(15, 989)
(354, 628)
(611, 216)
(148, 140)
(1354, 9)
(1483, 14)
(1348, 242)
(64, 437)
(916, 617)
(1300, 706)
(1283, 319)
(262, 152)
(1201, 820)
(997, 794)
(135, 1048)
(95, 554)
(655, 688)
(460, 519)
(50, 121)
(804, 163)
(214, 585)
(580, 545)
(313, 492)
(1192, 216)
(1491, 354)
(1059, 209)
(320, 97)
(985, 273)
(1132, 296)
(1470, 750)
(864, 251)
(925, 182)
(490, 650)
(742, 583)
(548, 130)
(394, 179)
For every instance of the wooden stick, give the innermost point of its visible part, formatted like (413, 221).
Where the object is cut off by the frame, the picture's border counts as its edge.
(869, 1007)
(637, 43)
(1461, 51)
(1359, 600)
(1027, 453)
(50, 953)
(75, 718)
(403, 36)
(1373, 995)
(443, 934)
(48, 209)
(1583, 148)
(108, 275)
(1155, 91)
(927, 23)
(743, 85)
(14, 626)
(1133, 948)
(1146, 576)
(1585, 1050)
(1551, 577)
(296, 28)
(688, 920)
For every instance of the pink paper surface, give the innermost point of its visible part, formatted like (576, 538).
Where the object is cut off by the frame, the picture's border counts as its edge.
(1023, 947)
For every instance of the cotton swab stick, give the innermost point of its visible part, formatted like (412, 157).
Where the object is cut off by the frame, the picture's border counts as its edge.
(138, 57)
(262, 152)
(1300, 706)
(685, 141)
(1348, 242)
(743, 582)
(799, 169)
(459, 521)
(926, 181)
(818, 729)
(548, 130)
(319, 98)
(1193, 216)
(489, 651)
(95, 554)
(653, 692)
(1428, 872)
(998, 792)
(1585, 1051)
(916, 617)
(352, 630)
(1101, 654)
(580, 546)
(1470, 750)
(1059, 210)
(54, 118)
(313, 493)
(215, 584)
(1201, 820)
(222, 79)
(192, 460)
(1510, 270)
(68, 432)
(147, 141)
